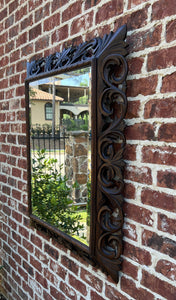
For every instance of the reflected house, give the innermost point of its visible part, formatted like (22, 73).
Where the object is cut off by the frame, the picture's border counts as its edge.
(75, 100)
(69, 100)
(41, 107)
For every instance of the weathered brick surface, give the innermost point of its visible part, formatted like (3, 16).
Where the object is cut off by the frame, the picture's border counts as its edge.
(36, 266)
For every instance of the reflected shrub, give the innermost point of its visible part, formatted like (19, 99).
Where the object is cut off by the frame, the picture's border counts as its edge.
(50, 195)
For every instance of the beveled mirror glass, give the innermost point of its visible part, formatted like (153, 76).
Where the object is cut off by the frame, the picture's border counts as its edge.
(75, 106)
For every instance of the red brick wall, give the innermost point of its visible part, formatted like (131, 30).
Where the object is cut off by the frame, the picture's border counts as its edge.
(36, 267)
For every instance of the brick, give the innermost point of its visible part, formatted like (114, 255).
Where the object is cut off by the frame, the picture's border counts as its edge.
(13, 6)
(15, 236)
(41, 257)
(14, 80)
(27, 22)
(9, 46)
(159, 243)
(72, 11)
(4, 83)
(4, 38)
(158, 286)
(82, 23)
(35, 32)
(22, 140)
(171, 31)
(2, 52)
(167, 132)
(27, 289)
(166, 224)
(133, 3)
(22, 11)
(134, 20)
(3, 178)
(36, 240)
(3, 13)
(130, 231)
(138, 214)
(168, 83)
(135, 65)
(10, 93)
(12, 264)
(15, 151)
(4, 60)
(28, 268)
(21, 40)
(26, 50)
(95, 296)
(60, 34)
(57, 4)
(113, 294)
(129, 191)
(161, 59)
(159, 155)
(166, 268)
(137, 254)
(16, 194)
(14, 56)
(42, 43)
(142, 40)
(109, 10)
(22, 295)
(142, 175)
(51, 277)
(9, 21)
(52, 22)
(41, 280)
(129, 269)
(143, 86)
(16, 277)
(130, 287)
(93, 281)
(78, 285)
(13, 31)
(21, 65)
(28, 246)
(141, 131)
(56, 294)
(6, 190)
(159, 200)
(51, 251)
(161, 9)
(33, 5)
(42, 12)
(69, 264)
(68, 291)
(46, 296)
(166, 179)
(160, 108)
(133, 110)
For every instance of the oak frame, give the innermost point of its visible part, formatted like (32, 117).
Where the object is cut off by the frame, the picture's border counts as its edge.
(107, 58)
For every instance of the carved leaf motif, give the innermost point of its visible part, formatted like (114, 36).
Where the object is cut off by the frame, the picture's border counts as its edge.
(84, 52)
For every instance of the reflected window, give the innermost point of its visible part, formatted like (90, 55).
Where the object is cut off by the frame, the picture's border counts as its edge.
(48, 111)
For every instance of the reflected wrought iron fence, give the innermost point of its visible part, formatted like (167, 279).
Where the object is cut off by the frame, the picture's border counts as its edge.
(54, 144)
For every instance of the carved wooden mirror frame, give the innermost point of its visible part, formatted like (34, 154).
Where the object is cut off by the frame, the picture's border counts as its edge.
(109, 70)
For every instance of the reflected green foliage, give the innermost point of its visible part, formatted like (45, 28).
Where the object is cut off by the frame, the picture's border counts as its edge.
(50, 196)
(88, 199)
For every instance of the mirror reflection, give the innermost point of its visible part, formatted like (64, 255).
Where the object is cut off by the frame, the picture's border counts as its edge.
(60, 138)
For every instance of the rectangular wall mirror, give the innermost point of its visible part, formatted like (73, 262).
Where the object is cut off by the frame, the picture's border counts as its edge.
(75, 106)
(60, 151)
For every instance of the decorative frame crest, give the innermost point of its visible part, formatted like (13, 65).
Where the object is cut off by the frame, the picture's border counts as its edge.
(109, 103)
